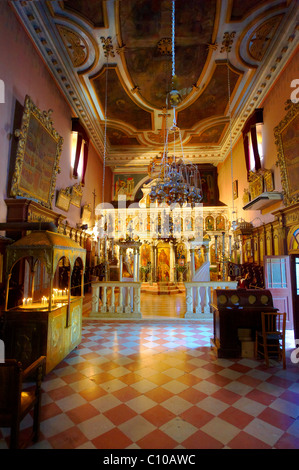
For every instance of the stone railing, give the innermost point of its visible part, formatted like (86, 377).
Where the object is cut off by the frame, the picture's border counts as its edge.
(117, 300)
(198, 297)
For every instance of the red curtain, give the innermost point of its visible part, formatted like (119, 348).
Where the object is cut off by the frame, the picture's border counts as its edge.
(82, 138)
(246, 151)
(250, 126)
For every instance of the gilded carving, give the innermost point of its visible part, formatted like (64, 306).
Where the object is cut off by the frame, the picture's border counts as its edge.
(37, 157)
(64, 199)
(227, 42)
(75, 45)
(260, 39)
(256, 184)
(76, 194)
(286, 140)
(268, 181)
(108, 46)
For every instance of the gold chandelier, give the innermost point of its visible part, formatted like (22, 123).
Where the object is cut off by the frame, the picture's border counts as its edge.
(177, 182)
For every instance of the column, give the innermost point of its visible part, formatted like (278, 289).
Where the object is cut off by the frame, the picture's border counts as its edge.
(135, 268)
(121, 264)
(138, 263)
(216, 241)
(104, 300)
(154, 275)
(241, 249)
(192, 264)
(223, 256)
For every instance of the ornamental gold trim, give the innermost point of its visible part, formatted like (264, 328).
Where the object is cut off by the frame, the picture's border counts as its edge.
(286, 140)
(37, 156)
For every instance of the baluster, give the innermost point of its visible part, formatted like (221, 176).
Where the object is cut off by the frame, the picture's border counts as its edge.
(119, 309)
(112, 304)
(128, 308)
(206, 308)
(95, 298)
(189, 300)
(136, 301)
(198, 300)
(104, 300)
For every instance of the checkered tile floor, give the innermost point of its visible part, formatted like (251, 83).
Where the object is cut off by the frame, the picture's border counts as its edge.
(157, 385)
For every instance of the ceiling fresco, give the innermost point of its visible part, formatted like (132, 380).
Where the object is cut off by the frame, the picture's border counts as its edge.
(112, 59)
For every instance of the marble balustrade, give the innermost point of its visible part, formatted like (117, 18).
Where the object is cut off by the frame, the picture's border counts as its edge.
(199, 295)
(117, 299)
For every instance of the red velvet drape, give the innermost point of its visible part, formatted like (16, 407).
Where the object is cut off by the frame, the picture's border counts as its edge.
(250, 126)
(82, 138)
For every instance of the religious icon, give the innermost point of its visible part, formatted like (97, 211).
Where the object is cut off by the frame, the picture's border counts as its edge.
(145, 255)
(220, 223)
(181, 254)
(209, 223)
(198, 258)
(163, 265)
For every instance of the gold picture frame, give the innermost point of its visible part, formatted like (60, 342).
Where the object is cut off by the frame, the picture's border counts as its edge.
(37, 157)
(256, 184)
(86, 213)
(268, 181)
(76, 194)
(286, 140)
(63, 199)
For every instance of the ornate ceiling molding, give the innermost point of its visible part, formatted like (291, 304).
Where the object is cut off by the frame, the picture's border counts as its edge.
(77, 50)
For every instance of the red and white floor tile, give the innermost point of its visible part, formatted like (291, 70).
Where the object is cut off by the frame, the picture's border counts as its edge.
(157, 385)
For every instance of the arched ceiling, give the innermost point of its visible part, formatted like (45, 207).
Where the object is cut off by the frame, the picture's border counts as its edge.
(114, 56)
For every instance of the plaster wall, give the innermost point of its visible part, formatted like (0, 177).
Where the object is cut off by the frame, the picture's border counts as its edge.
(23, 72)
(274, 111)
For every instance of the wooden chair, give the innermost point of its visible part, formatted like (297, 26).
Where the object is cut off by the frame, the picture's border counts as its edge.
(270, 342)
(16, 403)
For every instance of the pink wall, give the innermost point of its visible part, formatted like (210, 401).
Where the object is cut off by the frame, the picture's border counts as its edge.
(23, 72)
(274, 112)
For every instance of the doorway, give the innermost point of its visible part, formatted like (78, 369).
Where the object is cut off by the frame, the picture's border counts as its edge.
(278, 279)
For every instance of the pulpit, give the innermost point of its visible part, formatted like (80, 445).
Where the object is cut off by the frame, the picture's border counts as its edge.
(235, 311)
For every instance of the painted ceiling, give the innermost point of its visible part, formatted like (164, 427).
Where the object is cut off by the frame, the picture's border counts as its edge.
(112, 60)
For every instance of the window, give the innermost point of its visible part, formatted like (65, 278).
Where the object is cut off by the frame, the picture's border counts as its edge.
(259, 138)
(252, 140)
(277, 273)
(74, 137)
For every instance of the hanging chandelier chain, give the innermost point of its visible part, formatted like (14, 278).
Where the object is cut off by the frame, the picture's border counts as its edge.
(230, 132)
(105, 132)
(173, 38)
(177, 182)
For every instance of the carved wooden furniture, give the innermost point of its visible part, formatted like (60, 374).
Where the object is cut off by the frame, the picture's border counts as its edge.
(47, 321)
(270, 341)
(234, 310)
(16, 403)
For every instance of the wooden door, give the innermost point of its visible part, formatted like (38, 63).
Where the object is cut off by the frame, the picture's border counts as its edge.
(277, 274)
(295, 288)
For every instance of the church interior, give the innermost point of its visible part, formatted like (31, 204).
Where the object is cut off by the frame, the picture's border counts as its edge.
(149, 224)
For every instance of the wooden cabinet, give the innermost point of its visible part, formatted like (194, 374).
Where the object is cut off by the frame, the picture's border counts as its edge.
(234, 310)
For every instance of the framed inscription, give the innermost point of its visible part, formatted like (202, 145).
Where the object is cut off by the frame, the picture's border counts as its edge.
(63, 199)
(37, 158)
